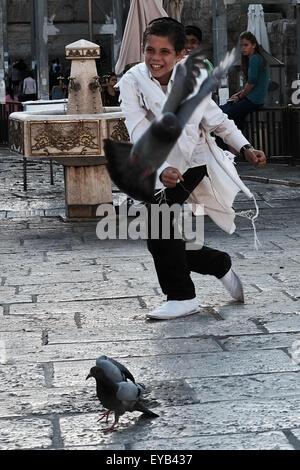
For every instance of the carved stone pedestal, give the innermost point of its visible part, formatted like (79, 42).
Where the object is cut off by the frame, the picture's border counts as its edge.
(85, 188)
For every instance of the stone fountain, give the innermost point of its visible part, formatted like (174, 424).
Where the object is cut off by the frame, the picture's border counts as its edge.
(75, 138)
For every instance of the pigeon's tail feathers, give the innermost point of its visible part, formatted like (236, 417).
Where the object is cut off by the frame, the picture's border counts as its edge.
(141, 388)
(125, 174)
(139, 406)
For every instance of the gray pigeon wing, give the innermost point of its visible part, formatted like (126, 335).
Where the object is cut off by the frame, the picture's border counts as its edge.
(123, 369)
(110, 369)
(127, 391)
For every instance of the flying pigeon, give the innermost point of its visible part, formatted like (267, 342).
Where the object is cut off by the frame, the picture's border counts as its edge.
(117, 396)
(133, 167)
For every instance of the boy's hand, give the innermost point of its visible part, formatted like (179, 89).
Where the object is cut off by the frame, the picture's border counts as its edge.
(170, 177)
(256, 157)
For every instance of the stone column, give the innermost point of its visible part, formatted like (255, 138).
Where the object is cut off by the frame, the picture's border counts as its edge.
(86, 185)
(119, 7)
(298, 39)
(220, 41)
(90, 5)
(40, 46)
(3, 48)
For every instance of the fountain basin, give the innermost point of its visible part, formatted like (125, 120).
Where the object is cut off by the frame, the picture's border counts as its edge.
(76, 142)
(66, 138)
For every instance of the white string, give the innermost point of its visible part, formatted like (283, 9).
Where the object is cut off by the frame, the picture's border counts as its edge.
(162, 196)
(210, 141)
(248, 215)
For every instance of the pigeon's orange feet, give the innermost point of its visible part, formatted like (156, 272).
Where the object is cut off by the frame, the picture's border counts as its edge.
(111, 428)
(106, 414)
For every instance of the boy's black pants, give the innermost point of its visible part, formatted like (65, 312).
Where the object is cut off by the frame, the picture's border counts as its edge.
(172, 261)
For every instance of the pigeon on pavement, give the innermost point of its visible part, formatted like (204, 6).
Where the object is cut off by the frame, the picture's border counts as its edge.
(117, 396)
(133, 167)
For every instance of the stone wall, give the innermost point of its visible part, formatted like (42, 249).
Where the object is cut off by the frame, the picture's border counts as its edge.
(71, 22)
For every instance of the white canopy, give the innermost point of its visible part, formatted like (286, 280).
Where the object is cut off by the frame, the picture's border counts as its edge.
(257, 26)
(141, 12)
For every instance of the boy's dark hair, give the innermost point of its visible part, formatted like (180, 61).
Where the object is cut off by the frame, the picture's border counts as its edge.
(167, 27)
(191, 29)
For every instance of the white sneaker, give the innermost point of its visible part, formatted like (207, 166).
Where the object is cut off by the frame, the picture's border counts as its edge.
(233, 285)
(174, 309)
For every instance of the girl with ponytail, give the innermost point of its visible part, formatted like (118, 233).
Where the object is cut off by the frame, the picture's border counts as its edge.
(256, 76)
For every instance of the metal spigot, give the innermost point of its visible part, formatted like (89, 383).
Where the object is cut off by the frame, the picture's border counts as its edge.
(73, 84)
(95, 83)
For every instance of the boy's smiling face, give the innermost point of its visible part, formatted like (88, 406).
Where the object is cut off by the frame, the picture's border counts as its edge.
(161, 57)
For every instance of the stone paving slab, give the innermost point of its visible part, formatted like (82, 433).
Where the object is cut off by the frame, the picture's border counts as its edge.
(7, 294)
(222, 378)
(246, 441)
(92, 311)
(16, 376)
(186, 365)
(198, 420)
(264, 341)
(71, 276)
(201, 325)
(63, 400)
(283, 324)
(71, 291)
(26, 434)
(255, 386)
(263, 305)
(75, 351)
(296, 433)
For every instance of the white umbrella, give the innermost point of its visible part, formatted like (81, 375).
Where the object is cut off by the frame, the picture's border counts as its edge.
(257, 26)
(174, 8)
(141, 12)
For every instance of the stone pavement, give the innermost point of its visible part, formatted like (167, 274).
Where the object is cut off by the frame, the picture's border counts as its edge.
(225, 378)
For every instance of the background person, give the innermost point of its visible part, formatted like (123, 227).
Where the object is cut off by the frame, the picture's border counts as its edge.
(193, 37)
(59, 90)
(11, 98)
(110, 95)
(256, 75)
(29, 88)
